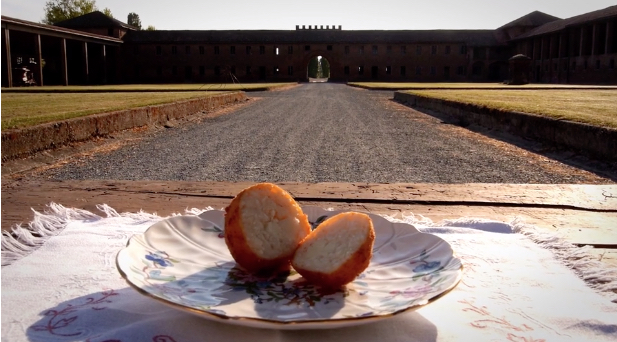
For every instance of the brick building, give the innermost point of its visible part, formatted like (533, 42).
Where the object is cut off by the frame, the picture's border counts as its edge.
(580, 49)
(54, 55)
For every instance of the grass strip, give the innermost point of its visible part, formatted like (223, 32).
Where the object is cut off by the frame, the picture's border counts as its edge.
(453, 85)
(21, 110)
(595, 107)
(148, 88)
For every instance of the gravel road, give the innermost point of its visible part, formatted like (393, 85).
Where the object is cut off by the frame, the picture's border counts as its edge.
(323, 133)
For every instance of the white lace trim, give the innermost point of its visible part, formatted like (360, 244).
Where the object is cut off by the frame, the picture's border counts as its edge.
(596, 274)
(21, 241)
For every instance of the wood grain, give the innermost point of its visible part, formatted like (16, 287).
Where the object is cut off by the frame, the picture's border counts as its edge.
(582, 214)
(566, 196)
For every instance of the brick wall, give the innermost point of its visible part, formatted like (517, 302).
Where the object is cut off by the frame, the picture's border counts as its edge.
(421, 62)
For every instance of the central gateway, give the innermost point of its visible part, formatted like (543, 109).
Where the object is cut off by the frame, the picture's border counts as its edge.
(318, 69)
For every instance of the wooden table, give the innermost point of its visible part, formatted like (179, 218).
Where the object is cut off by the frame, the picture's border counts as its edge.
(582, 214)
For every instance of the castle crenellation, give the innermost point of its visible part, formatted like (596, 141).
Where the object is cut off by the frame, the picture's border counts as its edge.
(320, 27)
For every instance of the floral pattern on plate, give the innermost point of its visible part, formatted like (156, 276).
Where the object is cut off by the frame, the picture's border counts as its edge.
(184, 262)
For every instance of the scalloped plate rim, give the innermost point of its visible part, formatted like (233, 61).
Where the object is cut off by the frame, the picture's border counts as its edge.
(257, 322)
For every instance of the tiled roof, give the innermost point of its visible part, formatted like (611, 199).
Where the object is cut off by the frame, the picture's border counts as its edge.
(91, 20)
(573, 21)
(470, 37)
(54, 30)
(533, 19)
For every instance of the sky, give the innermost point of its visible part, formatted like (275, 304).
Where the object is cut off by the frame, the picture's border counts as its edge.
(351, 14)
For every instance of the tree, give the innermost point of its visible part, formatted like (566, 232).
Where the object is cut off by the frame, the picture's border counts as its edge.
(133, 20)
(325, 68)
(151, 28)
(107, 12)
(312, 68)
(59, 10)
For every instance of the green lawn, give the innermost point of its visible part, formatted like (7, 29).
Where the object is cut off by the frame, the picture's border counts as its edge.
(27, 109)
(596, 107)
(150, 87)
(443, 85)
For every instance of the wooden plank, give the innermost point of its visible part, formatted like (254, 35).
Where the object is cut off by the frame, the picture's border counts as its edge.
(8, 58)
(165, 198)
(64, 67)
(576, 196)
(60, 32)
(606, 256)
(39, 59)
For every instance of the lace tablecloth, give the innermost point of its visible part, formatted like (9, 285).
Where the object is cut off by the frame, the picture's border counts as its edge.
(518, 285)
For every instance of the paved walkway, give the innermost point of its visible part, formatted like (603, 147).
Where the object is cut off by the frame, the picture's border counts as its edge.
(321, 132)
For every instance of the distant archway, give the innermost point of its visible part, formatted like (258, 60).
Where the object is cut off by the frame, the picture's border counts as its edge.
(318, 69)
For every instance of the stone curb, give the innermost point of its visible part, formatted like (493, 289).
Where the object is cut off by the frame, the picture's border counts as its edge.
(504, 87)
(22, 142)
(21, 90)
(598, 142)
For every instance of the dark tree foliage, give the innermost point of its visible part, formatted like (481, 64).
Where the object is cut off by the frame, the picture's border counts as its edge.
(107, 12)
(133, 20)
(313, 68)
(325, 68)
(319, 68)
(60, 10)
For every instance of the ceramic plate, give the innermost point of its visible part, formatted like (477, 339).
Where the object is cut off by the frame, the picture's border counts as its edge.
(184, 262)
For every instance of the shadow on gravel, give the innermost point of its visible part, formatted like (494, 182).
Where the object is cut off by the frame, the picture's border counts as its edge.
(552, 151)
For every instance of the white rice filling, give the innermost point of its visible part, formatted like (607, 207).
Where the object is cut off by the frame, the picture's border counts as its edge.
(270, 222)
(332, 244)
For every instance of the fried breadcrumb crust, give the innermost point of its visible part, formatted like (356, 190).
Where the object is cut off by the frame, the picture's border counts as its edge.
(348, 271)
(236, 239)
